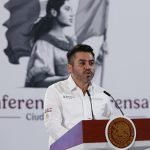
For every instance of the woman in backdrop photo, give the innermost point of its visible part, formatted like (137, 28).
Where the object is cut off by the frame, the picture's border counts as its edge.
(47, 63)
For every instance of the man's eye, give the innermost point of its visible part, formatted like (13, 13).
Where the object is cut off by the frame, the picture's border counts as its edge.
(81, 62)
(91, 62)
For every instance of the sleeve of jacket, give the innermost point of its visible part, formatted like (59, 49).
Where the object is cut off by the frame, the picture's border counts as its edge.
(52, 114)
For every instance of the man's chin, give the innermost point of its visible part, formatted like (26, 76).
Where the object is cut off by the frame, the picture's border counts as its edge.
(88, 79)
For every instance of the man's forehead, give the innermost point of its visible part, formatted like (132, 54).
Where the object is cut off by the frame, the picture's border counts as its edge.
(84, 55)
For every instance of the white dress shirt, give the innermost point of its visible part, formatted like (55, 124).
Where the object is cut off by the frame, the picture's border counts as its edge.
(65, 105)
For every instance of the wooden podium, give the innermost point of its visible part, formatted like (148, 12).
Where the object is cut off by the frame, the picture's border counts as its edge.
(90, 135)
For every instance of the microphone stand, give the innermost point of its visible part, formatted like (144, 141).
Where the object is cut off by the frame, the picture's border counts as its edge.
(93, 118)
(114, 102)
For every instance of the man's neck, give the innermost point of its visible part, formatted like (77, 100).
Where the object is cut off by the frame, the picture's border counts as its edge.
(82, 85)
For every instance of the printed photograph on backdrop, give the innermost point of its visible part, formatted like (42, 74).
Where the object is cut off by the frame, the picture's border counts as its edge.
(45, 30)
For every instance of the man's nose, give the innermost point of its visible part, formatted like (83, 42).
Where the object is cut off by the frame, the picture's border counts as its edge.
(87, 66)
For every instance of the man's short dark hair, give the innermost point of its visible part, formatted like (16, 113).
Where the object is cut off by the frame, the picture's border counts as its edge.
(79, 48)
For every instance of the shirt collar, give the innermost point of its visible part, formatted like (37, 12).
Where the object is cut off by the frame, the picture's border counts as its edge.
(72, 85)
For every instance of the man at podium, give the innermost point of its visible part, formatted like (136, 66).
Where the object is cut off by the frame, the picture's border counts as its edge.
(77, 98)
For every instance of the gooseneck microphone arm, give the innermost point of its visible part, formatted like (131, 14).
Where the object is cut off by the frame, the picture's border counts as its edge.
(114, 102)
(88, 93)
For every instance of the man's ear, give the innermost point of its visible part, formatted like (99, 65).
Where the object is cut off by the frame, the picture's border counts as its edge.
(69, 67)
(53, 12)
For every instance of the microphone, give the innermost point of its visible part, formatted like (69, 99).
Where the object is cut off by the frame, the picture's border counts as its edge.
(114, 102)
(88, 93)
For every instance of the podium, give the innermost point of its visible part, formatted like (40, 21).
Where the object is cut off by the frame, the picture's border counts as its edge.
(90, 135)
